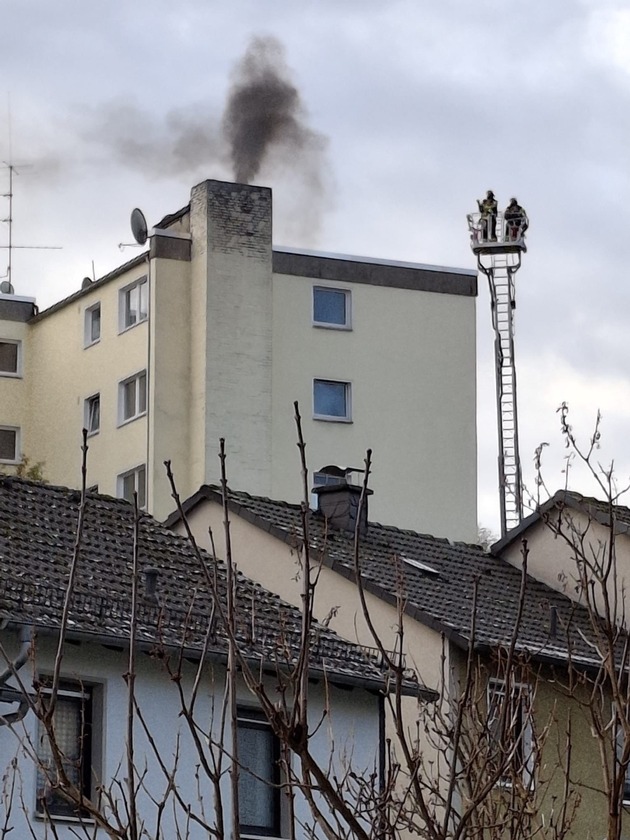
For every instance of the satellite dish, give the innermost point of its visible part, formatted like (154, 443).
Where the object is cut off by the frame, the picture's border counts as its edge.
(139, 226)
(87, 281)
(6, 288)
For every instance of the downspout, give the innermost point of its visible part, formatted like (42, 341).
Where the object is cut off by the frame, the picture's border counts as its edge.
(26, 638)
(382, 752)
(148, 478)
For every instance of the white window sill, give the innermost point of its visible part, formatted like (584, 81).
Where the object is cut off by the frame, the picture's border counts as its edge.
(91, 343)
(92, 434)
(260, 837)
(322, 325)
(330, 419)
(129, 420)
(10, 463)
(10, 374)
(63, 818)
(132, 326)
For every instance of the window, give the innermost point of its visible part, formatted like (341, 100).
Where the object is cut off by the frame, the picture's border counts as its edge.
(331, 308)
(9, 444)
(134, 304)
(72, 724)
(132, 397)
(92, 325)
(133, 481)
(92, 414)
(10, 357)
(331, 400)
(259, 777)
(620, 740)
(511, 733)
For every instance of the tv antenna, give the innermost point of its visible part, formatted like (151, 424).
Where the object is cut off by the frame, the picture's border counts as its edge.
(498, 241)
(7, 286)
(139, 230)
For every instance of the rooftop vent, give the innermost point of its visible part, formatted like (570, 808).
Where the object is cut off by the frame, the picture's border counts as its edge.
(339, 504)
(418, 564)
(150, 583)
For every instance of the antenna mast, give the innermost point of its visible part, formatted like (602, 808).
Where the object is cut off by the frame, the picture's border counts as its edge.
(9, 221)
(498, 241)
(10, 247)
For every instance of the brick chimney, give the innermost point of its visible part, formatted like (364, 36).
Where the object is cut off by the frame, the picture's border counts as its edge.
(339, 504)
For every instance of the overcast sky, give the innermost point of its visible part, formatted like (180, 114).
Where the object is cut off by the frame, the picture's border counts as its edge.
(416, 108)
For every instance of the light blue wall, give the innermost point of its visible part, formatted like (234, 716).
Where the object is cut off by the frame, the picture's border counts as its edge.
(349, 731)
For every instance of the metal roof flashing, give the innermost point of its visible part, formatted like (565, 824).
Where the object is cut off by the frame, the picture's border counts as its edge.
(329, 255)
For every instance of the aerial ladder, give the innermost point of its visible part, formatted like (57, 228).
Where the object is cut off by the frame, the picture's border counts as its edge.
(498, 244)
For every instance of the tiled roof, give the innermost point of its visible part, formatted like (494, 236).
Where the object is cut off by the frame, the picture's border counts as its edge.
(441, 595)
(37, 534)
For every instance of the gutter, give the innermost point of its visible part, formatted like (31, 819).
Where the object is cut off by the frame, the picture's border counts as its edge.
(332, 676)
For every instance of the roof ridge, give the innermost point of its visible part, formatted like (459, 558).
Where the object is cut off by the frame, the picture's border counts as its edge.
(236, 494)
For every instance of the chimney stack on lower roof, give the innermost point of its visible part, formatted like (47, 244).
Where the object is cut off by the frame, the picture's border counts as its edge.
(339, 504)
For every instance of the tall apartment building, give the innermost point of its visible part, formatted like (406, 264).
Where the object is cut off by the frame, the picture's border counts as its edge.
(214, 333)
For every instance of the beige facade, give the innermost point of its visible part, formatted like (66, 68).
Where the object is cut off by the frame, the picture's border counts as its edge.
(572, 536)
(229, 340)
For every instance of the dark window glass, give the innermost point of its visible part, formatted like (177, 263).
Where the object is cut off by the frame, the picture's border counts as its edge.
(330, 307)
(258, 791)
(93, 414)
(8, 444)
(330, 399)
(8, 357)
(136, 304)
(72, 724)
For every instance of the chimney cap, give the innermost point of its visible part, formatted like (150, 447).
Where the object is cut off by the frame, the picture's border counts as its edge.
(341, 487)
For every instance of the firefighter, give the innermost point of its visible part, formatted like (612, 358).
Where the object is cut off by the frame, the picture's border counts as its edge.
(516, 222)
(488, 208)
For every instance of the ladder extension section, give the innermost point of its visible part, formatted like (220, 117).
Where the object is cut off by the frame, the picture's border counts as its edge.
(501, 281)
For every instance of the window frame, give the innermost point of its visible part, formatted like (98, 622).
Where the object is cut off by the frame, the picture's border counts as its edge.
(254, 719)
(329, 325)
(334, 418)
(87, 403)
(123, 304)
(88, 321)
(86, 696)
(17, 373)
(120, 483)
(522, 693)
(136, 377)
(625, 800)
(18, 445)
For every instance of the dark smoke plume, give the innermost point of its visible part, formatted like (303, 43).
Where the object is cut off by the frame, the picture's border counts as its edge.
(262, 134)
(264, 110)
(184, 141)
